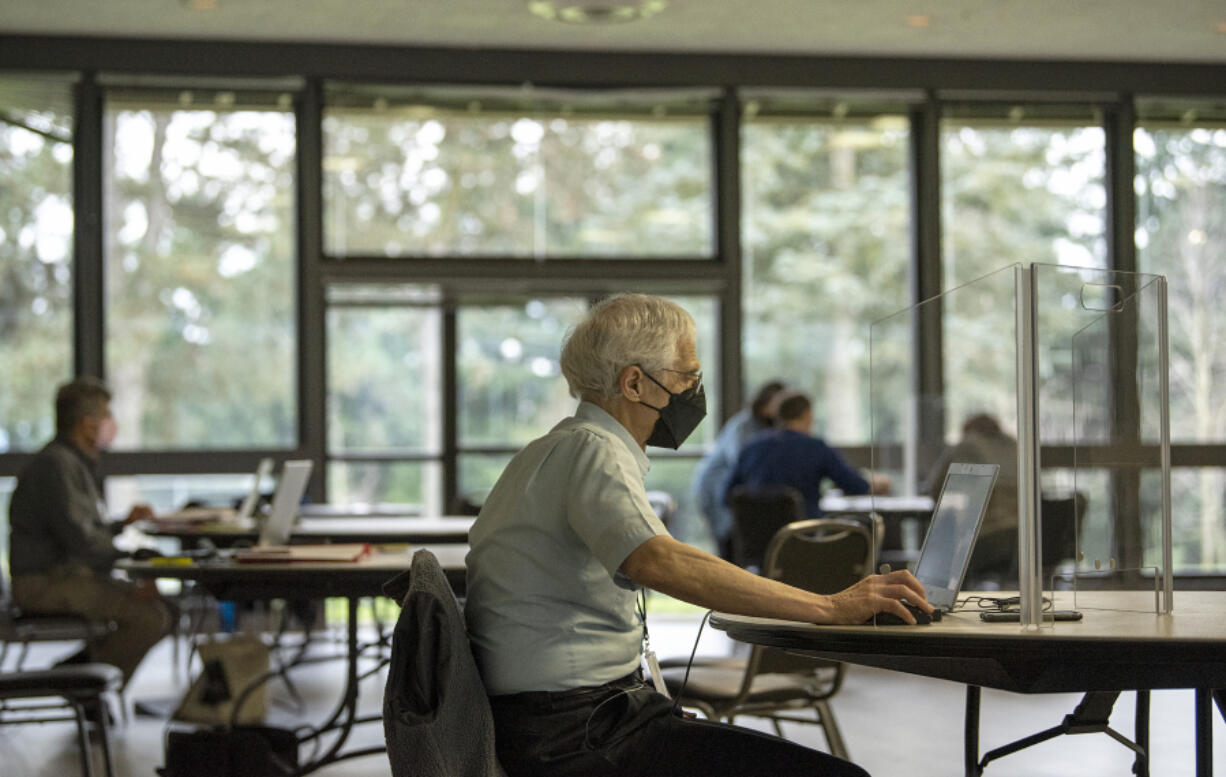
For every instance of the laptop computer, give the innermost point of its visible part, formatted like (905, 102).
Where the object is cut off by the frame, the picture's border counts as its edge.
(956, 519)
(290, 488)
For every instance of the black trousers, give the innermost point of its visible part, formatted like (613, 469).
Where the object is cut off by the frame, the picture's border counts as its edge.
(626, 729)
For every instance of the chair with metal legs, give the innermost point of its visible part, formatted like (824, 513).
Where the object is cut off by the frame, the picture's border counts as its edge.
(46, 695)
(824, 556)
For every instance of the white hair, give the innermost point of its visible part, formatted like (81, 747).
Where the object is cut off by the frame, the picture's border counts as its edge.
(617, 332)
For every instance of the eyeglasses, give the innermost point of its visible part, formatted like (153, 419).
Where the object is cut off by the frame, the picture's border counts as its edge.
(695, 378)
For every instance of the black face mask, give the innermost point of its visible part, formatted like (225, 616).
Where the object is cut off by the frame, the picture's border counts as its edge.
(679, 417)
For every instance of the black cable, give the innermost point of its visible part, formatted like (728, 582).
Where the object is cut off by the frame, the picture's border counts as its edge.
(688, 664)
(995, 603)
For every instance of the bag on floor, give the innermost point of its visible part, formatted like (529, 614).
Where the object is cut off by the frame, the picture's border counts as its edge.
(232, 669)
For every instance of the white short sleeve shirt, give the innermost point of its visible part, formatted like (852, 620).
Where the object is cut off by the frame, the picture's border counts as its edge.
(547, 607)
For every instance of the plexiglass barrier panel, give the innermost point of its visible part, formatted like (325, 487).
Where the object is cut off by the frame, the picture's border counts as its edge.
(1069, 361)
(969, 417)
(1101, 350)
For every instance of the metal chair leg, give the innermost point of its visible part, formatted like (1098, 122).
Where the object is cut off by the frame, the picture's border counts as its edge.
(87, 761)
(104, 733)
(834, 738)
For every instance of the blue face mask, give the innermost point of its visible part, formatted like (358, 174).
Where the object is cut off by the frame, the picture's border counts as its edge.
(679, 418)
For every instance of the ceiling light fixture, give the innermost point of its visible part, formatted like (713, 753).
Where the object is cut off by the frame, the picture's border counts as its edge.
(1221, 27)
(596, 11)
(201, 5)
(919, 20)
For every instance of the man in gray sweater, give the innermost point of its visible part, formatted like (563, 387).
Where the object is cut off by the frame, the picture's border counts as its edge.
(61, 549)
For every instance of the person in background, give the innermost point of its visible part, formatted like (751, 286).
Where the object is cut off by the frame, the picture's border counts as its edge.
(713, 470)
(566, 542)
(789, 455)
(61, 549)
(985, 442)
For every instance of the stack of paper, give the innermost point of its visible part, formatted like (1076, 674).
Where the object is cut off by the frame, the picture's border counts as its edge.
(272, 554)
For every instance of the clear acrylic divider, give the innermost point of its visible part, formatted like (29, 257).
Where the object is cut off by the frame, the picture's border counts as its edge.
(1104, 397)
(1057, 375)
(965, 412)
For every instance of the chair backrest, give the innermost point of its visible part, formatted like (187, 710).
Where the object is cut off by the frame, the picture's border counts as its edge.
(1061, 518)
(822, 555)
(757, 513)
(436, 717)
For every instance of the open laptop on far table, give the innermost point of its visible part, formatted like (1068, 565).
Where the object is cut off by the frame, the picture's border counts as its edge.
(956, 519)
(290, 487)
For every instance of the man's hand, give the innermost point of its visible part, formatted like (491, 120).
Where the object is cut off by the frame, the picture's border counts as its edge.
(878, 484)
(139, 513)
(879, 593)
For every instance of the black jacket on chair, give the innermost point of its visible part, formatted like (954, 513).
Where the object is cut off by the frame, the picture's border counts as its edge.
(436, 717)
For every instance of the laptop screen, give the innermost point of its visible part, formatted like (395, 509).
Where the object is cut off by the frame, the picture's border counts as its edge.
(951, 535)
(285, 502)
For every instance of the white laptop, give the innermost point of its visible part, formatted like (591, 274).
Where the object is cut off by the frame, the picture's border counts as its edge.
(290, 488)
(952, 533)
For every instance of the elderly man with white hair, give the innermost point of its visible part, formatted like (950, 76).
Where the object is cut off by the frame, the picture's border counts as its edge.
(567, 540)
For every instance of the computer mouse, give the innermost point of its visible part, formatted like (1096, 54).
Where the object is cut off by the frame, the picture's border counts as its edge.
(144, 554)
(890, 619)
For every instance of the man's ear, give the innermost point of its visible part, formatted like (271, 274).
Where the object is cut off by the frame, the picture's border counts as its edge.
(630, 381)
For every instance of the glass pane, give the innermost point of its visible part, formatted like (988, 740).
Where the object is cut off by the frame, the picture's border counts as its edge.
(826, 213)
(384, 379)
(200, 275)
(673, 474)
(1020, 194)
(1181, 233)
(407, 177)
(1011, 194)
(705, 311)
(36, 253)
(415, 486)
(1198, 519)
(511, 388)
(165, 493)
(478, 473)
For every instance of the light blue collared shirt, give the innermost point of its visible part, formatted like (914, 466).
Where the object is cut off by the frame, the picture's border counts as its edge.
(548, 608)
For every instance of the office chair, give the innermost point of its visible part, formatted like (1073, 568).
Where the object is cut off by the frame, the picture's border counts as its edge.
(436, 716)
(823, 556)
(22, 629)
(84, 690)
(1062, 517)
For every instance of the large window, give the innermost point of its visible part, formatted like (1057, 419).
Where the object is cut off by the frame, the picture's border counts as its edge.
(511, 389)
(1181, 233)
(385, 430)
(497, 173)
(826, 213)
(200, 275)
(1019, 184)
(510, 383)
(36, 253)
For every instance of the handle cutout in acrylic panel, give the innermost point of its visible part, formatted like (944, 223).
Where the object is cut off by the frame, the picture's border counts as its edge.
(1102, 297)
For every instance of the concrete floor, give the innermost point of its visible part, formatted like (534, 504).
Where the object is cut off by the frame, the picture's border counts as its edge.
(895, 725)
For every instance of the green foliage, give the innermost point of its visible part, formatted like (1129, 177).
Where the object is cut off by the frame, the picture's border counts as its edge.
(494, 184)
(35, 282)
(826, 216)
(201, 343)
